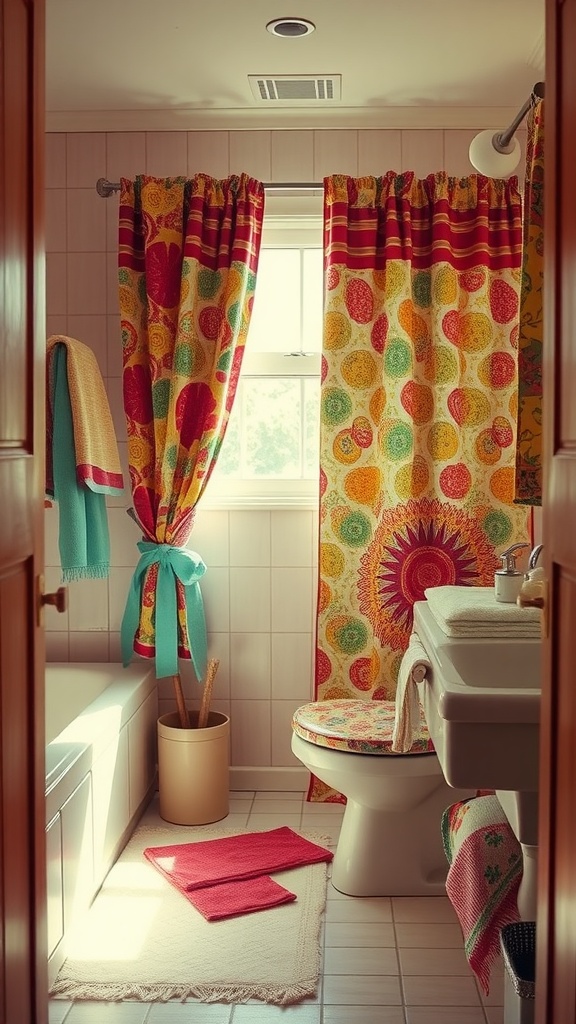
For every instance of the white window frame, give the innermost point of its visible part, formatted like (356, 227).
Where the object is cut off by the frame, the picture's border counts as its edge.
(282, 230)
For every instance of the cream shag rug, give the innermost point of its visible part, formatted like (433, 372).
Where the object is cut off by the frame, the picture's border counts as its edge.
(142, 940)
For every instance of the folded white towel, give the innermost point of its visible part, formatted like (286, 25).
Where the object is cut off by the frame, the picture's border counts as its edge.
(412, 670)
(474, 611)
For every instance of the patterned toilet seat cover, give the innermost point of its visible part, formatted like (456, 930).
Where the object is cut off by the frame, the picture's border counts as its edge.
(358, 726)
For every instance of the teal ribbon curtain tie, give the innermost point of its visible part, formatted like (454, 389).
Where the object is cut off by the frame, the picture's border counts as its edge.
(174, 563)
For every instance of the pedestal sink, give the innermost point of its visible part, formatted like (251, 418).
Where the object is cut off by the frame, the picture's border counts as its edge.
(482, 704)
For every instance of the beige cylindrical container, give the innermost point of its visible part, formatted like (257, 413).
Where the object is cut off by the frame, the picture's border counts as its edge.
(193, 769)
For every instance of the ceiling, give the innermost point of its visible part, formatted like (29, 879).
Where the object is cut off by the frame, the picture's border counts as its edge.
(133, 64)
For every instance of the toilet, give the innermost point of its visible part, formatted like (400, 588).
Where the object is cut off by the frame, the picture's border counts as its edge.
(390, 842)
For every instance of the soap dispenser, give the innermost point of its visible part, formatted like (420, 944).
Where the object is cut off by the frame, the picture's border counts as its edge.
(508, 579)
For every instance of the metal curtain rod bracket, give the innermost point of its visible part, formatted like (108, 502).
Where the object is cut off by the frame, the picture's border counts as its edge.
(105, 188)
(502, 140)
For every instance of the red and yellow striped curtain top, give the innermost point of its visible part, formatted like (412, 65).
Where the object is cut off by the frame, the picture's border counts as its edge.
(418, 409)
(188, 255)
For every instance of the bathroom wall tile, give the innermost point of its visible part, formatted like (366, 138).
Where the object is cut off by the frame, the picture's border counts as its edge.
(291, 602)
(215, 588)
(56, 284)
(111, 208)
(55, 160)
(456, 146)
(250, 666)
(119, 582)
(125, 155)
(89, 647)
(86, 283)
(91, 330)
(208, 152)
(250, 732)
(379, 150)
(57, 646)
(166, 154)
(281, 733)
(209, 537)
(250, 153)
(55, 621)
(446, 991)
(292, 666)
(291, 538)
(218, 647)
(250, 615)
(335, 152)
(422, 151)
(85, 159)
(56, 324)
(249, 538)
(292, 156)
(116, 402)
(114, 344)
(115, 652)
(124, 536)
(51, 526)
(56, 220)
(111, 279)
(89, 605)
(86, 220)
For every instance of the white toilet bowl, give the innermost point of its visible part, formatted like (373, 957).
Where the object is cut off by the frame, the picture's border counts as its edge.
(390, 842)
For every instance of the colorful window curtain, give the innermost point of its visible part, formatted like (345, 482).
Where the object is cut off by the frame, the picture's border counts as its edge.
(188, 255)
(418, 410)
(529, 443)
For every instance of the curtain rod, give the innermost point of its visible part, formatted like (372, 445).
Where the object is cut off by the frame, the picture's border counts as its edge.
(105, 188)
(502, 140)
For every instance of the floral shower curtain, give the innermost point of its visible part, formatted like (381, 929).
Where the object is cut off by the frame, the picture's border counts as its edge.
(188, 255)
(418, 410)
(529, 446)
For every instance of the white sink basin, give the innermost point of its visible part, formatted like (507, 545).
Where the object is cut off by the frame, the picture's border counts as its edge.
(482, 705)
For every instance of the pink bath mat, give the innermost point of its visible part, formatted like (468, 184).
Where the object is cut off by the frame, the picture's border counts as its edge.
(192, 866)
(229, 899)
(229, 876)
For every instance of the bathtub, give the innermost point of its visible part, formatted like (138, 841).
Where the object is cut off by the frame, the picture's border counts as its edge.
(100, 774)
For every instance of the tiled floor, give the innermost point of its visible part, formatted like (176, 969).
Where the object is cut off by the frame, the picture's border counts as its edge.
(386, 961)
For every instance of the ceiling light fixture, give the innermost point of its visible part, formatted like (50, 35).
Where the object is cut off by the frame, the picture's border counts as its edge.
(290, 28)
(497, 154)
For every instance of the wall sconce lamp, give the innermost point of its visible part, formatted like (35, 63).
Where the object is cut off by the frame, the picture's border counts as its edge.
(497, 154)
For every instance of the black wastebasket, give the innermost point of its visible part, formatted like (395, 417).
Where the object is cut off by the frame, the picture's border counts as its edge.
(518, 944)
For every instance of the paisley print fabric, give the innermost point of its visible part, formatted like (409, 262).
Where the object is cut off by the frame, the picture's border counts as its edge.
(529, 445)
(418, 411)
(188, 255)
(357, 726)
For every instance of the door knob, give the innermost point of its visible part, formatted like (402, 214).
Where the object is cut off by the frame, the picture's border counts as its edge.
(57, 598)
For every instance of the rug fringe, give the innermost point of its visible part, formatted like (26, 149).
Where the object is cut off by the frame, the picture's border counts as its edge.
(278, 996)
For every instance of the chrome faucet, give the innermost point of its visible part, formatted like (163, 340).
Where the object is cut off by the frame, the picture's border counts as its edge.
(534, 556)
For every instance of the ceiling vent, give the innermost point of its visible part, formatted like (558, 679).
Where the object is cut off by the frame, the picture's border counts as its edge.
(296, 88)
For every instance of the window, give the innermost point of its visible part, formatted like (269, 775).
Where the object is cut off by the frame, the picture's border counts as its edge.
(270, 452)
